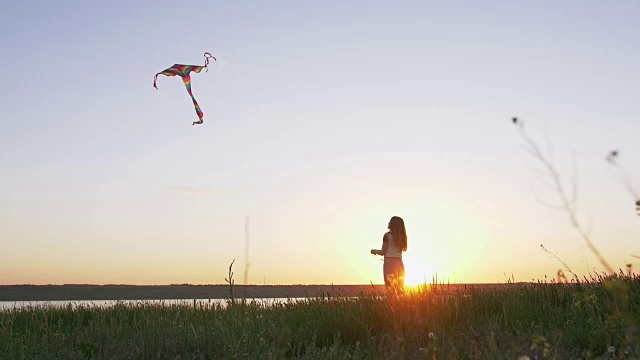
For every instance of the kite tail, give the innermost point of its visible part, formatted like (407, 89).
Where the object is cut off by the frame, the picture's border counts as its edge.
(187, 83)
(154, 80)
(208, 56)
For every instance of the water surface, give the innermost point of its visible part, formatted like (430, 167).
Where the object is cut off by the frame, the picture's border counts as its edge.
(9, 305)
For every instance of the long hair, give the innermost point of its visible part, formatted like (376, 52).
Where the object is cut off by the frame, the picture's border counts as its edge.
(396, 227)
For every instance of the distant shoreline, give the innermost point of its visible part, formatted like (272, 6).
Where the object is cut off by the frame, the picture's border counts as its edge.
(72, 292)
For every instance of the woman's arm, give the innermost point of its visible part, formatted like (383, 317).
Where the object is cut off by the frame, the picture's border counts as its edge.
(382, 252)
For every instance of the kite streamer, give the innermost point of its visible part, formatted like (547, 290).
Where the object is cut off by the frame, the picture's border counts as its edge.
(183, 71)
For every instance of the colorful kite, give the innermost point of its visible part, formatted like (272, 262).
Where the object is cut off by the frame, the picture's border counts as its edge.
(183, 71)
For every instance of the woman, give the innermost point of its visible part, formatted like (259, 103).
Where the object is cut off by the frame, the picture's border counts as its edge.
(394, 242)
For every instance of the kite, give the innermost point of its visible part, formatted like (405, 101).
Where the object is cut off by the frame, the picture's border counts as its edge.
(183, 71)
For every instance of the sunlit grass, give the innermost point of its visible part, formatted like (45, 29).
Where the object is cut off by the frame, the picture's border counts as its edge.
(592, 318)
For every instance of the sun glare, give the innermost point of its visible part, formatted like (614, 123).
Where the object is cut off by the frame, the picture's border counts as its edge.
(417, 273)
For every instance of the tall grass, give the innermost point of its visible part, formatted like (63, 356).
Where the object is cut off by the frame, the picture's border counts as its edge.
(592, 318)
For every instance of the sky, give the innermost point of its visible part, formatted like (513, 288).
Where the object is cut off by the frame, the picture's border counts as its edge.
(321, 121)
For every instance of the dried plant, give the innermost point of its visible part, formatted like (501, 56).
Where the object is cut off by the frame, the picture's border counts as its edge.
(623, 177)
(231, 282)
(567, 204)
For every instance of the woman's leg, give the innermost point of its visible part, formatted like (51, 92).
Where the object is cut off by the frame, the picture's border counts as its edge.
(400, 274)
(393, 270)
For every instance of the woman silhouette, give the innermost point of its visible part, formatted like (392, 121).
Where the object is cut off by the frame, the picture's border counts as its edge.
(394, 242)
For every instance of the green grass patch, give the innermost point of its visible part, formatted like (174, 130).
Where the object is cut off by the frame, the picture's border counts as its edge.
(594, 318)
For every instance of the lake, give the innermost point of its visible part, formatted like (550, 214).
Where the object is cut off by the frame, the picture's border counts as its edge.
(9, 305)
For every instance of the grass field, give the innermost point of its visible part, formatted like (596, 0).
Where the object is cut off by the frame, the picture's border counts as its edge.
(593, 318)
(10, 293)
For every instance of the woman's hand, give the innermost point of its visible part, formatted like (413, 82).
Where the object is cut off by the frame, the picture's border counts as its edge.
(375, 252)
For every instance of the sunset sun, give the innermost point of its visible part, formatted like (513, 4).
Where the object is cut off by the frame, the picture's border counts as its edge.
(417, 273)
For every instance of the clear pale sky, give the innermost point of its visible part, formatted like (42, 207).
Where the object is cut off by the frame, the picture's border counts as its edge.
(321, 121)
